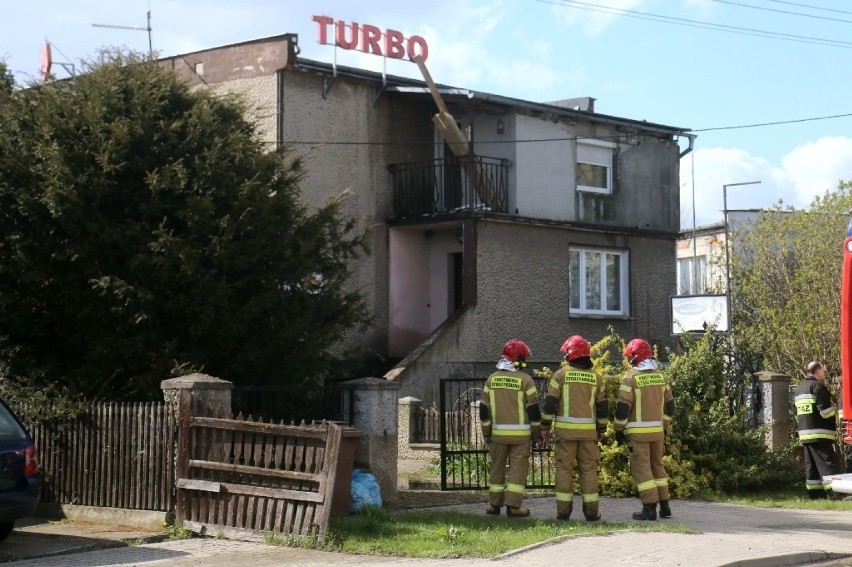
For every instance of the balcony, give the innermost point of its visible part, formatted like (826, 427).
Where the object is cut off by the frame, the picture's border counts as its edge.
(450, 185)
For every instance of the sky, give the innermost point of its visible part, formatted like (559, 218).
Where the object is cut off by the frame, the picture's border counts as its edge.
(711, 66)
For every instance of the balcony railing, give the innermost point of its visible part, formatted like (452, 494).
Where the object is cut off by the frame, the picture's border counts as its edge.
(450, 185)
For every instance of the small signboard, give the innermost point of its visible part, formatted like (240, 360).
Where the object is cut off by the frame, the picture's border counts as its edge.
(694, 313)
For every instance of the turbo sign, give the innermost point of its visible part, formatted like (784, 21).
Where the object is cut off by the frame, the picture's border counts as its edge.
(371, 39)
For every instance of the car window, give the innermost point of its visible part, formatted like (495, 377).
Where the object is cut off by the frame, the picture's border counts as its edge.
(10, 429)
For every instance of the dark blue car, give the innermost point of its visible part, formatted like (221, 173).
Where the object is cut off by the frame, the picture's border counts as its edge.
(20, 481)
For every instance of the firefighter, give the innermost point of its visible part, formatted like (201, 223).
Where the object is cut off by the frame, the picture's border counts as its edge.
(576, 405)
(510, 418)
(643, 414)
(816, 417)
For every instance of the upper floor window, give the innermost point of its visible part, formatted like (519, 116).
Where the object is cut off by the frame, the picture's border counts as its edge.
(598, 282)
(594, 166)
(692, 276)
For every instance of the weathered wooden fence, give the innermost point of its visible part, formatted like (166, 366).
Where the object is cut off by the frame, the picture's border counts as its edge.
(249, 479)
(462, 426)
(118, 455)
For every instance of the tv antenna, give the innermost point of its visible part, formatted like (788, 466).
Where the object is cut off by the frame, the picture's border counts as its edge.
(135, 28)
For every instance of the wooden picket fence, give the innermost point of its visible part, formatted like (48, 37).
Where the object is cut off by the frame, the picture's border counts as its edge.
(250, 479)
(117, 455)
(461, 426)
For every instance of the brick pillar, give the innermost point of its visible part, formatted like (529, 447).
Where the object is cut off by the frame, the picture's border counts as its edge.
(408, 408)
(211, 397)
(775, 413)
(375, 403)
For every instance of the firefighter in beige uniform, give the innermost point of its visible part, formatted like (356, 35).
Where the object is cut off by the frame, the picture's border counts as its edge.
(510, 418)
(643, 413)
(577, 406)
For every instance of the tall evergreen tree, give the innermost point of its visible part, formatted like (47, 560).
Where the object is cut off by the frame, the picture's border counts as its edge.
(146, 231)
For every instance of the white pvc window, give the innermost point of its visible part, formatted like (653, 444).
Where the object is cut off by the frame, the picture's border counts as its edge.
(597, 282)
(594, 166)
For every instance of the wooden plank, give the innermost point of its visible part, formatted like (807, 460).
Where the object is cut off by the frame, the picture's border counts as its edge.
(332, 452)
(249, 470)
(433, 88)
(253, 426)
(185, 406)
(202, 485)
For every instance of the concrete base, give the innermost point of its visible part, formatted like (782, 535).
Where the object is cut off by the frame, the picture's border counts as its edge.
(144, 519)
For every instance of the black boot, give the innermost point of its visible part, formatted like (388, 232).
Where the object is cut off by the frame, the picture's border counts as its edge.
(591, 512)
(649, 512)
(665, 511)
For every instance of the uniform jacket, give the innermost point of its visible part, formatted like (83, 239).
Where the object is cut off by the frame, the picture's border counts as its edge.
(509, 411)
(576, 405)
(815, 415)
(645, 405)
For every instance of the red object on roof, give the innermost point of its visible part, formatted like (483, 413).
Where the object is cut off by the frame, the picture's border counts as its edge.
(46, 61)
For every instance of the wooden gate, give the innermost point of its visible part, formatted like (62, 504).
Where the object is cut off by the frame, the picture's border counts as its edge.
(249, 480)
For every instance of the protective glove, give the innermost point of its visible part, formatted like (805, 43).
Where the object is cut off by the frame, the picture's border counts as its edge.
(620, 437)
(487, 440)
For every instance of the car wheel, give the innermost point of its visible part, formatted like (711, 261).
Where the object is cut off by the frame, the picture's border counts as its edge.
(6, 529)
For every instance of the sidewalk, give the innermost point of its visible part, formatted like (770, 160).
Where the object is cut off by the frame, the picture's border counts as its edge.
(730, 535)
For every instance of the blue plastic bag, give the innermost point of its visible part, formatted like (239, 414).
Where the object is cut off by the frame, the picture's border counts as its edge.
(365, 491)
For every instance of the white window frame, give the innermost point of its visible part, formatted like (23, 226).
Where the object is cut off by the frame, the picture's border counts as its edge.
(624, 282)
(600, 153)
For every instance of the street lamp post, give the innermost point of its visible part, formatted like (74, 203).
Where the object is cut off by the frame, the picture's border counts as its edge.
(728, 247)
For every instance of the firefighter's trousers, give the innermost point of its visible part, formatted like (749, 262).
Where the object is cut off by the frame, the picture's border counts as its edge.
(587, 453)
(820, 460)
(508, 489)
(646, 465)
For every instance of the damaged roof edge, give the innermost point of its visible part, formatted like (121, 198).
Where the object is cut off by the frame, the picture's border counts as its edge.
(407, 85)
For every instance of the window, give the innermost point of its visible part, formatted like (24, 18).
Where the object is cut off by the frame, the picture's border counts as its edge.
(692, 276)
(594, 166)
(597, 282)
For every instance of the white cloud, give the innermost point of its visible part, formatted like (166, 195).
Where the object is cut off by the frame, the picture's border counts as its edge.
(805, 172)
(816, 167)
(594, 20)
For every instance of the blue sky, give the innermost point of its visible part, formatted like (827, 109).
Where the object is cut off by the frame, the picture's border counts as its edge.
(689, 74)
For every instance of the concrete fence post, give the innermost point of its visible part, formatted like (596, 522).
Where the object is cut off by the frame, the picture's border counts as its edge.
(376, 407)
(211, 397)
(775, 411)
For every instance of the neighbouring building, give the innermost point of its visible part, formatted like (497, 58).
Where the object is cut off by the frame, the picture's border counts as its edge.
(701, 262)
(565, 222)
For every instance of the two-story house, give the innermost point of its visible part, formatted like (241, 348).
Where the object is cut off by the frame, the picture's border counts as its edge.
(565, 221)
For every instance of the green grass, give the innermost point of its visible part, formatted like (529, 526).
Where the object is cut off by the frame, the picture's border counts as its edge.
(780, 499)
(451, 534)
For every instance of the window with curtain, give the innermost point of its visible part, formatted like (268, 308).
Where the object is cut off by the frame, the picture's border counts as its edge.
(597, 282)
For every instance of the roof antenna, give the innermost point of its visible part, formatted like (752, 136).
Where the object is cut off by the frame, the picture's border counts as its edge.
(135, 28)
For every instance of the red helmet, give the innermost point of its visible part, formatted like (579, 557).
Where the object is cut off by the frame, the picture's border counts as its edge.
(638, 350)
(516, 349)
(576, 347)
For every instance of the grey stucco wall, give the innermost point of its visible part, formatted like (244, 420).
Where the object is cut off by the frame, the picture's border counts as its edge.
(532, 262)
(375, 136)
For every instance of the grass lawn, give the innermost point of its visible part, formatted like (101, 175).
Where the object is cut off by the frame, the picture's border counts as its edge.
(451, 534)
(791, 499)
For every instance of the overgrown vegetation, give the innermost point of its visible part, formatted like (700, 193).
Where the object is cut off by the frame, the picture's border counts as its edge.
(786, 284)
(709, 448)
